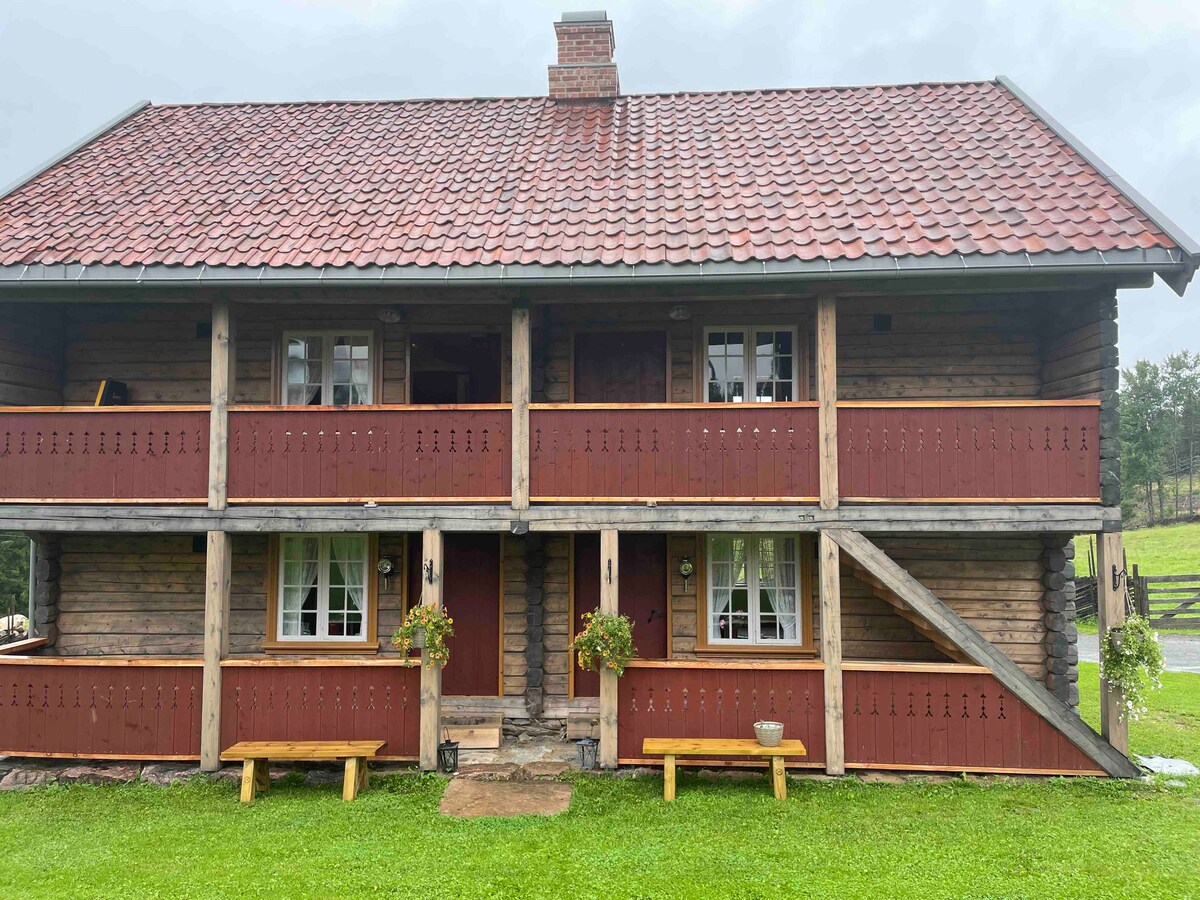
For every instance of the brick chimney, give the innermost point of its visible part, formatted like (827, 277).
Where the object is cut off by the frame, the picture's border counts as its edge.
(585, 68)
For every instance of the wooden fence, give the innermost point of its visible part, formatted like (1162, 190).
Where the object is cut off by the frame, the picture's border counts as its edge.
(1168, 601)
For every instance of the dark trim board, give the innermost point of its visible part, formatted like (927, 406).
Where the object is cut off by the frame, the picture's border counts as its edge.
(876, 518)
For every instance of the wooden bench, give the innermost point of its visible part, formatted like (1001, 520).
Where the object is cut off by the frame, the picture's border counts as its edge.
(254, 756)
(669, 748)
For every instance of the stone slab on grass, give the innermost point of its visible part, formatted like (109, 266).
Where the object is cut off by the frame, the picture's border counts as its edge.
(1162, 765)
(469, 799)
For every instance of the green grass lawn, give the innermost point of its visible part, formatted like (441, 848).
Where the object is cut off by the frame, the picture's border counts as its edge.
(1164, 550)
(999, 838)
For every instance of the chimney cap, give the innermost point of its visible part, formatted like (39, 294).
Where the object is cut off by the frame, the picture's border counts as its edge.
(585, 15)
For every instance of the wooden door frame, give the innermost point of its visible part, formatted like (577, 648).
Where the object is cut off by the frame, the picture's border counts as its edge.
(404, 600)
(571, 604)
(411, 329)
(574, 330)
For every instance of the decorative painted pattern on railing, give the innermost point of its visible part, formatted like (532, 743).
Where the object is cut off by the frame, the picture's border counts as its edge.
(950, 721)
(113, 454)
(719, 702)
(347, 702)
(386, 454)
(1002, 453)
(674, 452)
(54, 707)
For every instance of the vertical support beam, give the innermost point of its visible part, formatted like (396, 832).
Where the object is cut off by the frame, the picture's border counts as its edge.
(1110, 610)
(431, 675)
(220, 392)
(827, 397)
(522, 369)
(218, 564)
(609, 603)
(831, 654)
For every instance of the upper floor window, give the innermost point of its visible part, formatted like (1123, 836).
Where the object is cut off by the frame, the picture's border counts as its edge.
(327, 368)
(749, 364)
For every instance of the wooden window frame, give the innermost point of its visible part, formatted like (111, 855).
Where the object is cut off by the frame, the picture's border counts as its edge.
(806, 548)
(374, 361)
(748, 357)
(274, 643)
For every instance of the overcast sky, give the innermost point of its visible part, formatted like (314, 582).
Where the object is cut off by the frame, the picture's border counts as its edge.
(1125, 82)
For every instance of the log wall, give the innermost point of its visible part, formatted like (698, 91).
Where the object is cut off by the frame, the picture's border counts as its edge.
(995, 583)
(31, 349)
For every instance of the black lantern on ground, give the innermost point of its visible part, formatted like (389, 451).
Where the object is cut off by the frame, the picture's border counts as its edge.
(587, 753)
(448, 755)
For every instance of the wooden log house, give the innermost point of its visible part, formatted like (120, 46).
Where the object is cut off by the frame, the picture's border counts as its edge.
(850, 354)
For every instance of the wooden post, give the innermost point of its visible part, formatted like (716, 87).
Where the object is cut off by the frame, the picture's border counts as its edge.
(831, 655)
(609, 603)
(1110, 612)
(216, 646)
(431, 676)
(521, 391)
(220, 392)
(827, 397)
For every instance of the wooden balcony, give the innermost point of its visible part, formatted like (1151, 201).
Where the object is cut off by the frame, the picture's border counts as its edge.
(688, 453)
(983, 451)
(385, 454)
(1002, 451)
(112, 454)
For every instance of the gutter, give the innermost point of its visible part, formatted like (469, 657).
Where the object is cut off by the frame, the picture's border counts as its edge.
(78, 145)
(1120, 263)
(1178, 282)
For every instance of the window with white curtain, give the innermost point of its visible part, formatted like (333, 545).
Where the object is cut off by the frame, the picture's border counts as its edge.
(323, 587)
(327, 368)
(750, 364)
(754, 589)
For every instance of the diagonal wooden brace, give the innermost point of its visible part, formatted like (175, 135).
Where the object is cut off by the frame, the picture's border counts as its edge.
(978, 649)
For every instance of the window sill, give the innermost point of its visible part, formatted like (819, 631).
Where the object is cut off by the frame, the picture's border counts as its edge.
(316, 647)
(808, 650)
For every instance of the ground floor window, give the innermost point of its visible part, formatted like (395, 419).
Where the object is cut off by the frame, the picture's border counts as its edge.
(754, 590)
(324, 592)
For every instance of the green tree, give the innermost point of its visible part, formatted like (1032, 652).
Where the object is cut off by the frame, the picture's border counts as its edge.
(14, 572)
(1144, 429)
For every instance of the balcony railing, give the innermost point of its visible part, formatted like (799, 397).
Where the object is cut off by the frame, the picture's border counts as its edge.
(386, 454)
(974, 451)
(1004, 451)
(673, 452)
(123, 454)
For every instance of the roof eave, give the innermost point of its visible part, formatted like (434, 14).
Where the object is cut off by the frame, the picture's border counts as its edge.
(1172, 265)
(1177, 281)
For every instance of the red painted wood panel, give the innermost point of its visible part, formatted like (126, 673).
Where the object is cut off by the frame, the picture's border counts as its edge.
(641, 595)
(370, 453)
(1036, 452)
(99, 711)
(719, 703)
(323, 703)
(109, 455)
(949, 720)
(748, 451)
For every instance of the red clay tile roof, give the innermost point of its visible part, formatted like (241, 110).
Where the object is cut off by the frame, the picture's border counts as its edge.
(831, 174)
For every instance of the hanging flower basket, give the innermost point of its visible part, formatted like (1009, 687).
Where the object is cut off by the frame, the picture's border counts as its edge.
(425, 628)
(1131, 662)
(606, 642)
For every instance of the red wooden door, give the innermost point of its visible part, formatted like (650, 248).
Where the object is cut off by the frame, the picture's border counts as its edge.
(471, 594)
(621, 367)
(642, 595)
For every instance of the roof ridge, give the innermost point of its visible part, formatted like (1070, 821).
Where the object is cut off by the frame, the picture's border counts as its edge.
(492, 99)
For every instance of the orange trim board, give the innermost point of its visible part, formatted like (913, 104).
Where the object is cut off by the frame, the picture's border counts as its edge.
(961, 404)
(978, 500)
(110, 501)
(645, 500)
(127, 408)
(696, 407)
(371, 407)
(333, 501)
(99, 661)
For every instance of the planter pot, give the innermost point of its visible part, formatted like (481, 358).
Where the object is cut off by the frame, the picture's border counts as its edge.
(769, 734)
(1118, 637)
(418, 639)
